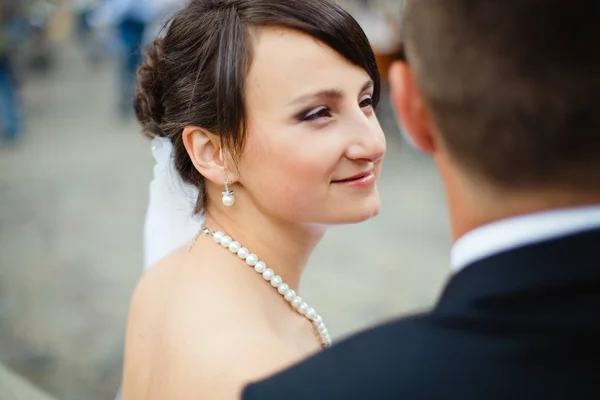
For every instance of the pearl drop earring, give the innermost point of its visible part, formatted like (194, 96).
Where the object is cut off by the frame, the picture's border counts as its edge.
(228, 197)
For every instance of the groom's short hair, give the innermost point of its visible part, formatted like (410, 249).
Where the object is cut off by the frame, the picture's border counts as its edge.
(512, 86)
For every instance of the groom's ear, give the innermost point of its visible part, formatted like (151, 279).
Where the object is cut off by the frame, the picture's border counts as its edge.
(205, 151)
(410, 107)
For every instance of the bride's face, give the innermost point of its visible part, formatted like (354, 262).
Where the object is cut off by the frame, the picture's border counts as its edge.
(314, 147)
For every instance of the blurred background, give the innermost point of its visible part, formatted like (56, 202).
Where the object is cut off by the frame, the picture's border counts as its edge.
(74, 175)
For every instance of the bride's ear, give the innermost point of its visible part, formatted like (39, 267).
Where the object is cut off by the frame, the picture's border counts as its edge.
(205, 151)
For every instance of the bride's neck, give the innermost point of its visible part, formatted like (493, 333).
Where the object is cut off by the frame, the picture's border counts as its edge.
(283, 246)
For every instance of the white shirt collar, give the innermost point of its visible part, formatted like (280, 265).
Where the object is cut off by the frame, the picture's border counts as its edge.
(511, 233)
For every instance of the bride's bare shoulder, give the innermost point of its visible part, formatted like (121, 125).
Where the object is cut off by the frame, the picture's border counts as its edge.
(156, 282)
(178, 293)
(187, 327)
(189, 285)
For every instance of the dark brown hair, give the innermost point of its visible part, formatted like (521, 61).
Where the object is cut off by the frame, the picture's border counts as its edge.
(195, 75)
(513, 86)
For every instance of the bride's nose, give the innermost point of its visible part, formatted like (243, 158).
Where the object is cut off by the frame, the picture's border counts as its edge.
(368, 143)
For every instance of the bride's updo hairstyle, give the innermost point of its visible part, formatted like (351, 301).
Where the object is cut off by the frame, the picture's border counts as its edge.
(195, 74)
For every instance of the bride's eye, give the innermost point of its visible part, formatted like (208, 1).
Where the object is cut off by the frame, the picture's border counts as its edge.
(366, 102)
(315, 114)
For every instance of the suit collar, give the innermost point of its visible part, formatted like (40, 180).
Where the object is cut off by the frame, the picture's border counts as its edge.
(550, 275)
(511, 233)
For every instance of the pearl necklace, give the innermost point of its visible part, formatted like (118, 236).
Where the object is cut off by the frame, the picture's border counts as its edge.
(276, 281)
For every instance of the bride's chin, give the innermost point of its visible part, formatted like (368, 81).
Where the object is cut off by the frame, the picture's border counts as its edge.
(368, 216)
(358, 215)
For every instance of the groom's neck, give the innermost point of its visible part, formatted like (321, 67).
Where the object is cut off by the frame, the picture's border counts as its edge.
(471, 207)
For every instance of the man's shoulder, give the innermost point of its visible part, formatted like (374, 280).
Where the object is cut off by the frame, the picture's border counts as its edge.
(442, 356)
(394, 358)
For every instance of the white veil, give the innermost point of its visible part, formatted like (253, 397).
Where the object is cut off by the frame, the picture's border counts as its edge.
(170, 221)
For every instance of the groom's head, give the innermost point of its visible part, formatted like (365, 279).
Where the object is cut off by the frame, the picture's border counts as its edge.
(506, 96)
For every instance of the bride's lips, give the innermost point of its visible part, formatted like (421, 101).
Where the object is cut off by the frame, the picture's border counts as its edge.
(360, 181)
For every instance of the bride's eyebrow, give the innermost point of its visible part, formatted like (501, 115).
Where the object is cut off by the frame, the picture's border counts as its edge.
(328, 94)
(367, 86)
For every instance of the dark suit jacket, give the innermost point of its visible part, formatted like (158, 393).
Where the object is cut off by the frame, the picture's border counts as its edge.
(523, 324)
